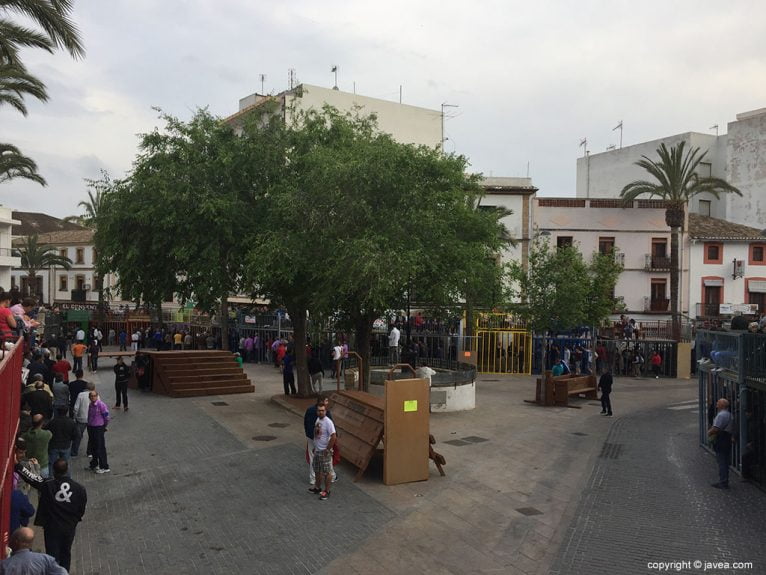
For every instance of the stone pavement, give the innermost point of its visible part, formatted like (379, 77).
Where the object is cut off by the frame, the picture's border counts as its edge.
(649, 499)
(199, 487)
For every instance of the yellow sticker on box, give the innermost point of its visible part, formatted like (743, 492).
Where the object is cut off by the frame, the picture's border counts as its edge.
(410, 405)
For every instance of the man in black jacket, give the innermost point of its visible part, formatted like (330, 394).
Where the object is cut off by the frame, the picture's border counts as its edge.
(61, 508)
(605, 385)
(121, 377)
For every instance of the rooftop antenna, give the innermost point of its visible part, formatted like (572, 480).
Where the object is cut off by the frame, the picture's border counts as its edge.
(584, 146)
(263, 79)
(291, 77)
(714, 127)
(620, 127)
(610, 147)
(334, 70)
(445, 105)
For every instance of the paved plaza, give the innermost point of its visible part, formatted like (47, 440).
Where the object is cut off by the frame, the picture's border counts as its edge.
(219, 485)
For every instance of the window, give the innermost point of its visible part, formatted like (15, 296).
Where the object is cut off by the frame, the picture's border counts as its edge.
(80, 282)
(713, 253)
(564, 241)
(757, 255)
(705, 169)
(605, 245)
(80, 257)
(659, 298)
(95, 258)
(704, 207)
(63, 253)
(660, 247)
(63, 283)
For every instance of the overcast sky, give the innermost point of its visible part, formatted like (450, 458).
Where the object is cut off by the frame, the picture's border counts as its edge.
(531, 79)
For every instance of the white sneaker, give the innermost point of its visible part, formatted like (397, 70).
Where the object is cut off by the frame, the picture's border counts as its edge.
(102, 471)
(312, 482)
(334, 479)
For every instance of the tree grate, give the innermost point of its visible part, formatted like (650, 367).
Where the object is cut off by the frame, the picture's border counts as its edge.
(264, 437)
(279, 425)
(528, 511)
(475, 439)
(580, 433)
(457, 442)
(219, 403)
(611, 451)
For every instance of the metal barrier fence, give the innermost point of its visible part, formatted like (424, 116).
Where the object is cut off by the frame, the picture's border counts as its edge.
(10, 392)
(714, 384)
(503, 351)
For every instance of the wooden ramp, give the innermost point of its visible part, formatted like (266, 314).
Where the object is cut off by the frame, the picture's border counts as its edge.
(195, 373)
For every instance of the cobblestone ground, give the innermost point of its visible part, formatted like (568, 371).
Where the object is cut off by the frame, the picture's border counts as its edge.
(187, 496)
(649, 499)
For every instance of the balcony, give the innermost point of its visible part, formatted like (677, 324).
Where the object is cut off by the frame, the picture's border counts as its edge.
(656, 263)
(708, 309)
(656, 304)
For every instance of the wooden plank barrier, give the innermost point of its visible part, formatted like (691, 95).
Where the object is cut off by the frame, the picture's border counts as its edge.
(551, 390)
(359, 417)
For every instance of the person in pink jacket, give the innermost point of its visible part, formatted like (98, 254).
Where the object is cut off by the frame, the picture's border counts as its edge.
(98, 419)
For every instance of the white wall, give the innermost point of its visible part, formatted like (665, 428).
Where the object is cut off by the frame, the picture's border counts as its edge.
(746, 169)
(7, 261)
(407, 124)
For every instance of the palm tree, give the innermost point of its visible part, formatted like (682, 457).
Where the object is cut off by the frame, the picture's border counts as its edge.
(676, 183)
(92, 206)
(54, 30)
(51, 28)
(14, 164)
(36, 257)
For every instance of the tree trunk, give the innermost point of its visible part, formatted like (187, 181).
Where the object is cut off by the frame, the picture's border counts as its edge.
(298, 317)
(674, 277)
(224, 323)
(362, 331)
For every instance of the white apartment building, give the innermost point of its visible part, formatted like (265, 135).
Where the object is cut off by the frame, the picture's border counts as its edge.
(637, 234)
(727, 267)
(515, 195)
(7, 260)
(739, 157)
(66, 289)
(406, 124)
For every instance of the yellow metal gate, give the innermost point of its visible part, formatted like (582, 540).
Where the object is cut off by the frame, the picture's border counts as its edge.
(502, 345)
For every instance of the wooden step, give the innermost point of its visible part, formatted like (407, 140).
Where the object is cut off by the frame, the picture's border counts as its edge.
(201, 391)
(207, 370)
(208, 383)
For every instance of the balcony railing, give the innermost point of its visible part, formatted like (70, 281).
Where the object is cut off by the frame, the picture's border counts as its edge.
(657, 263)
(659, 305)
(708, 310)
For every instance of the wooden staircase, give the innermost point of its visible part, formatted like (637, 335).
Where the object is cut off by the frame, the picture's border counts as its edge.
(196, 373)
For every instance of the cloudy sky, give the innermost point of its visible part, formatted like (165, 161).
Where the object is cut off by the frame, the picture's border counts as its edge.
(531, 79)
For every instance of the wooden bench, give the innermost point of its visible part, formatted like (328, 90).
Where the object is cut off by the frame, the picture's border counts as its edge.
(566, 385)
(556, 390)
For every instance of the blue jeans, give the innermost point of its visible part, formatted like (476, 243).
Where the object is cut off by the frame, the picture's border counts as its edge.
(723, 456)
(56, 454)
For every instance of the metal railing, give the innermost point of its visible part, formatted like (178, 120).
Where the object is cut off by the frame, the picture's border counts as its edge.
(656, 263)
(10, 391)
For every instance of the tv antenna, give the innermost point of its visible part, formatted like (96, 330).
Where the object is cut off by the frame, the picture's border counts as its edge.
(620, 128)
(263, 79)
(714, 127)
(291, 78)
(334, 70)
(584, 146)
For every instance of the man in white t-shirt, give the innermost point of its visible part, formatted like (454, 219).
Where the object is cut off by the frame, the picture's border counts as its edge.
(324, 440)
(80, 335)
(337, 358)
(393, 345)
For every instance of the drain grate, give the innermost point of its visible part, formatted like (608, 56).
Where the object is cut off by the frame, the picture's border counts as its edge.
(457, 442)
(529, 511)
(475, 439)
(280, 425)
(265, 437)
(580, 433)
(219, 403)
(611, 451)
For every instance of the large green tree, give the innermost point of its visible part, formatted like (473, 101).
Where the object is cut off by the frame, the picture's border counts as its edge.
(356, 220)
(46, 24)
(36, 257)
(676, 181)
